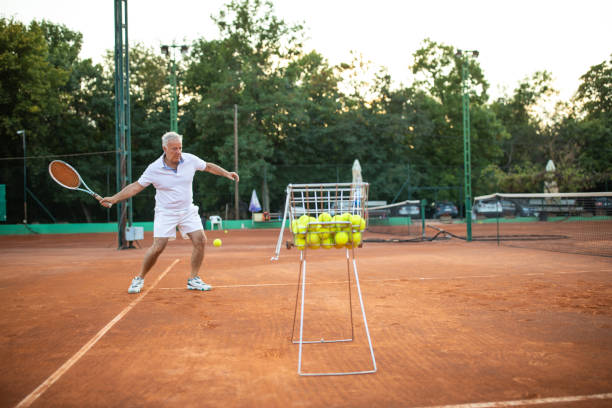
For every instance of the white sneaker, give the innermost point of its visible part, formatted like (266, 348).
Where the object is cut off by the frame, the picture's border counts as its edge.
(197, 284)
(136, 285)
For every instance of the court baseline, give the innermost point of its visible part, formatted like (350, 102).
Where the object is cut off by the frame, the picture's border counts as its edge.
(525, 402)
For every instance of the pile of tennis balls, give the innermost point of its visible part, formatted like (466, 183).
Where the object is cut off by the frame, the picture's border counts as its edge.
(325, 231)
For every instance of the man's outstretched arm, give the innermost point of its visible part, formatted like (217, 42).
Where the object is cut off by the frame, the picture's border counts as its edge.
(127, 192)
(212, 168)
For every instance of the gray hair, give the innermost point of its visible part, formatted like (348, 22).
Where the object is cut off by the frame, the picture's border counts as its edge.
(169, 136)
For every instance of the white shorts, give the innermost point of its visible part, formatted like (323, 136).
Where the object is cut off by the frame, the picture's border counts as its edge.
(166, 222)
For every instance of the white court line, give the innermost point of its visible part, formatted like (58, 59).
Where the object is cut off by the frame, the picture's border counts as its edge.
(256, 285)
(418, 278)
(536, 401)
(27, 401)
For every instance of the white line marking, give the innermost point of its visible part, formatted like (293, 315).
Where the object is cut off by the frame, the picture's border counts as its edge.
(536, 401)
(27, 401)
(418, 278)
(256, 285)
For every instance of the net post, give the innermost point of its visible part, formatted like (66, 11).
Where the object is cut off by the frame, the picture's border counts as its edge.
(423, 204)
(502, 211)
(122, 119)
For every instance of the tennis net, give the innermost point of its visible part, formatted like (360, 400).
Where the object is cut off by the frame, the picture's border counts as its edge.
(403, 221)
(562, 222)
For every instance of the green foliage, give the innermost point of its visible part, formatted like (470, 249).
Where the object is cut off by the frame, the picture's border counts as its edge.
(525, 140)
(28, 93)
(595, 92)
(300, 119)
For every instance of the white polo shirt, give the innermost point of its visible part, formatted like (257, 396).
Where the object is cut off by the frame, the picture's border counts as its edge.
(174, 188)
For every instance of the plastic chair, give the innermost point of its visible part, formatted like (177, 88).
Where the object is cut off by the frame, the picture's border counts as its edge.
(215, 220)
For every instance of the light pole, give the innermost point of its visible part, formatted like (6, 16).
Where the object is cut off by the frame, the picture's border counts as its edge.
(168, 51)
(22, 132)
(467, 156)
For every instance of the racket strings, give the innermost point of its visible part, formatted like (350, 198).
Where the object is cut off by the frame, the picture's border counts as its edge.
(65, 175)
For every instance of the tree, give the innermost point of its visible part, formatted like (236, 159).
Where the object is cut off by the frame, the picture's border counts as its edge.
(595, 92)
(588, 128)
(437, 97)
(244, 68)
(29, 82)
(516, 112)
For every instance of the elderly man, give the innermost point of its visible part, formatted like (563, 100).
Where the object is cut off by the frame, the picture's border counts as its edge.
(172, 176)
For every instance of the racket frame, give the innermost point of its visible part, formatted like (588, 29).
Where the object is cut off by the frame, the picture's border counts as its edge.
(81, 182)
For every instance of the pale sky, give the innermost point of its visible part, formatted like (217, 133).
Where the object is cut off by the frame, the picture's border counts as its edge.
(515, 38)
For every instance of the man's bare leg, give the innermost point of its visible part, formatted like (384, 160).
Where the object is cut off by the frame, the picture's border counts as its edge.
(159, 244)
(198, 239)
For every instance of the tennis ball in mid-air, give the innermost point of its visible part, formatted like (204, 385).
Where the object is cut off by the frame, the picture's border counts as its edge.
(341, 238)
(225, 231)
(217, 242)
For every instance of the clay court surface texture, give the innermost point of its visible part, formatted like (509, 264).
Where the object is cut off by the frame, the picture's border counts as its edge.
(453, 324)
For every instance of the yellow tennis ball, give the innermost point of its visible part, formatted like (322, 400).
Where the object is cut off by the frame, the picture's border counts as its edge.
(339, 223)
(327, 243)
(313, 226)
(299, 242)
(356, 238)
(217, 242)
(225, 231)
(295, 226)
(313, 240)
(335, 226)
(341, 238)
(302, 223)
(355, 221)
(362, 225)
(325, 217)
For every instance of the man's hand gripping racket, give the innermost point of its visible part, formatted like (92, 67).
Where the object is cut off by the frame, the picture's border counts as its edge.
(66, 176)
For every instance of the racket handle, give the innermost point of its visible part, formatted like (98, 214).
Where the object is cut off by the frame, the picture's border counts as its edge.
(99, 198)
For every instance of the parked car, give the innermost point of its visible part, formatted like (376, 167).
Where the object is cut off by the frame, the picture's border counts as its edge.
(526, 210)
(490, 208)
(603, 205)
(445, 208)
(518, 209)
(504, 208)
(407, 210)
(373, 212)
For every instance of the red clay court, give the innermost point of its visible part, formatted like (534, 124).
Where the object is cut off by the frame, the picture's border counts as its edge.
(453, 324)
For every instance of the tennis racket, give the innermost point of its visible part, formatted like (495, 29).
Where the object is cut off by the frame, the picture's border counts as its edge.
(66, 176)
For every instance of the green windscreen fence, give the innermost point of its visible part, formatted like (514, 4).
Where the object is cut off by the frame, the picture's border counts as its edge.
(2, 202)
